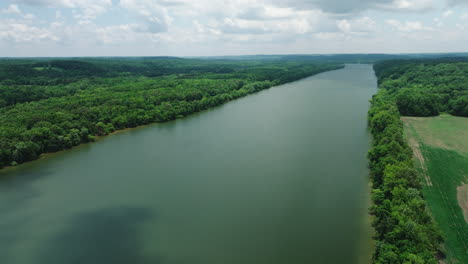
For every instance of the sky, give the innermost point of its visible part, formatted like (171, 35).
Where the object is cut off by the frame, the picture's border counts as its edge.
(45, 28)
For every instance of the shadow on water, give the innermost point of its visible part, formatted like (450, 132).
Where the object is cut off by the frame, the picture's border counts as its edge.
(10, 236)
(21, 175)
(103, 236)
(16, 191)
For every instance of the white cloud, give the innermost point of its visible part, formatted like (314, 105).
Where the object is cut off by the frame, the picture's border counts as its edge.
(117, 34)
(17, 32)
(344, 26)
(330, 36)
(438, 22)
(410, 5)
(58, 15)
(408, 26)
(153, 14)
(456, 2)
(11, 9)
(89, 12)
(353, 7)
(68, 3)
(447, 13)
(245, 26)
(275, 27)
(359, 26)
(29, 16)
(84, 10)
(267, 12)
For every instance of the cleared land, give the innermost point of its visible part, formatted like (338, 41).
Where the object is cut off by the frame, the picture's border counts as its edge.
(440, 145)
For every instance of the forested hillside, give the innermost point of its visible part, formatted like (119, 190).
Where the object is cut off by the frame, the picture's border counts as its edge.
(48, 105)
(426, 87)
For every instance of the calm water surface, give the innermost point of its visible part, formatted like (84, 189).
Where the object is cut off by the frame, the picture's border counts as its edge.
(275, 177)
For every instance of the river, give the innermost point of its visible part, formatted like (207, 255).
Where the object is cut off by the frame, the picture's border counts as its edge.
(276, 177)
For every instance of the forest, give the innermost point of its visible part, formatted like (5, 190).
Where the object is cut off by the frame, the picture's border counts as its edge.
(405, 231)
(426, 87)
(47, 105)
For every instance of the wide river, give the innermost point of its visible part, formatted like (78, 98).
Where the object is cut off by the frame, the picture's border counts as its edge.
(275, 177)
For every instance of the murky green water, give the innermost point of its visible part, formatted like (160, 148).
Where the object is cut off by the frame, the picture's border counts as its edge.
(276, 177)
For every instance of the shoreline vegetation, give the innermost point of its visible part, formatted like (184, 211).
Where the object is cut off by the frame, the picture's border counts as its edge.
(96, 139)
(48, 106)
(406, 231)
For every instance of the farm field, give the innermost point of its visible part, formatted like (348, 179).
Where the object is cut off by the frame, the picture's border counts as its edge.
(440, 148)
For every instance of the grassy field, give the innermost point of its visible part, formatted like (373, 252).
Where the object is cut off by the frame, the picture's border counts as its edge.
(440, 145)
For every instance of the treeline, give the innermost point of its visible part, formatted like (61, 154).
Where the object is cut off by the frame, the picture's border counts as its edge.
(405, 232)
(426, 87)
(26, 80)
(37, 118)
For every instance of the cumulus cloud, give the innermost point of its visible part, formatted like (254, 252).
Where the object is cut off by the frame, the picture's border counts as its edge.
(14, 31)
(153, 14)
(333, 6)
(447, 13)
(11, 9)
(38, 2)
(351, 7)
(226, 25)
(408, 26)
(85, 10)
(268, 24)
(267, 12)
(409, 5)
(118, 34)
(457, 2)
(68, 3)
(360, 26)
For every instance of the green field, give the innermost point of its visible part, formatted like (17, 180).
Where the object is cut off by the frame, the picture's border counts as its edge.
(440, 146)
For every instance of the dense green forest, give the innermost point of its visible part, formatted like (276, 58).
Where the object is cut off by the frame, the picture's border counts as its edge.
(426, 87)
(48, 105)
(405, 232)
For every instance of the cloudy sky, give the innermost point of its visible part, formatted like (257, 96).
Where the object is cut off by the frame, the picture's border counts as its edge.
(230, 27)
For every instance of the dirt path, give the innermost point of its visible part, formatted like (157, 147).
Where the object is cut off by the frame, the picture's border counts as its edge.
(413, 143)
(462, 197)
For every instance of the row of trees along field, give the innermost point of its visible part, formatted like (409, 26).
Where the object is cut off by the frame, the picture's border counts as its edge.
(405, 232)
(426, 87)
(49, 105)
